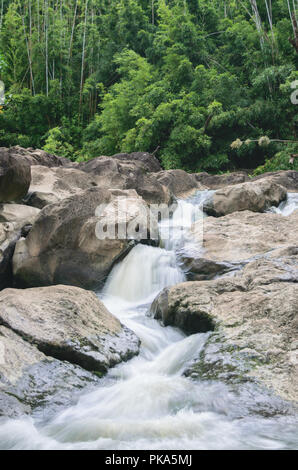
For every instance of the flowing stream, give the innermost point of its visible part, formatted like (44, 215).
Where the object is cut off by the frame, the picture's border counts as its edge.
(147, 403)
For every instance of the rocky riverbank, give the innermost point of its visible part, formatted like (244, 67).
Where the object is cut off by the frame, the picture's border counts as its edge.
(57, 337)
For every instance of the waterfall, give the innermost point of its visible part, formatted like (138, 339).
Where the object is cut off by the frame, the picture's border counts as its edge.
(143, 274)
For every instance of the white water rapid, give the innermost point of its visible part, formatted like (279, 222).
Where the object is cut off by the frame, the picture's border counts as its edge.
(288, 206)
(147, 403)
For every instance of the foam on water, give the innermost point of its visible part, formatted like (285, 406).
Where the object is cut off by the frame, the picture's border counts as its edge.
(288, 206)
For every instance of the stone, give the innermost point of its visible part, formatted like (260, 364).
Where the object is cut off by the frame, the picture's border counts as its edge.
(220, 181)
(231, 241)
(15, 176)
(38, 157)
(69, 324)
(252, 319)
(180, 183)
(114, 173)
(51, 185)
(286, 178)
(31, 381)
(63, 246)
(255, 197)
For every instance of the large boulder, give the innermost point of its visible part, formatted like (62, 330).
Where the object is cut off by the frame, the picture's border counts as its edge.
(252, 319)
(30, 380)
(38, 157)
(256, 197)
(231, 241)
(124, 173)
(179, 182)
(220, 181)
(226, 244)
(15, 176)
(51, 185)
(51, 336)
(66, 247)
(16, 220)
(8, 239)
(147, 160)
(69, 324)
(18, 215)
(288, 179)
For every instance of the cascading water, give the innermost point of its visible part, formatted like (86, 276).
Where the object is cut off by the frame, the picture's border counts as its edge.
(157, 268)
(288, 206)
(147, 403)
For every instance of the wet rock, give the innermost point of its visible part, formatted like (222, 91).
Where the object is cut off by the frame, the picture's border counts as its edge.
(200, 269)
(69, 324)
(51, 185)
(64, 246)
(255, 321)
(29, 380)
(256, 197)
(15, 176)
(179, 307)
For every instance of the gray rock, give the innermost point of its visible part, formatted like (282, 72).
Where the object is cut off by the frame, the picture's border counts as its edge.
(63, 247)
(288, 179)
(51, 185)
(122, 173)
(8, 239)
(253, 320)
(69, 324)
(180, 183)
(220, 181)
(30, 381)
(256, 197)
(15, 176)
(38, 157)
(242, 236)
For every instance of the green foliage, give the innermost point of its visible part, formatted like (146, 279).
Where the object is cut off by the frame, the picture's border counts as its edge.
(90, 77)
(280, 161)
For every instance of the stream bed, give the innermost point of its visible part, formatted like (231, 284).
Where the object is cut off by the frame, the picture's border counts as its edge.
(147, 403)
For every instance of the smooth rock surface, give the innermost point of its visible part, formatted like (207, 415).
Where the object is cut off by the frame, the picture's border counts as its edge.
(15, 176)
(39, 157)
(288, 179)
(67, 323)
(179, 182)
(51, 185)
(256, 197)
(63, 246)
(220, 181)
(29, 380)
(18, 214)
(231, 241)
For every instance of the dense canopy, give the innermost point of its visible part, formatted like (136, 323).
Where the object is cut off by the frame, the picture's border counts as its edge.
(185, 78)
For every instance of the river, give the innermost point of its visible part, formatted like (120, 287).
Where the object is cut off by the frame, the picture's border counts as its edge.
(147, 403)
